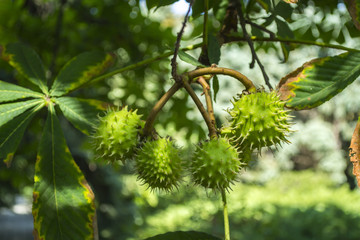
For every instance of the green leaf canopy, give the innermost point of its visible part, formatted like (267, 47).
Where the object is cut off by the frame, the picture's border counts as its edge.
(80, 70)
(319, 80)
(63, 205)
(26, 61)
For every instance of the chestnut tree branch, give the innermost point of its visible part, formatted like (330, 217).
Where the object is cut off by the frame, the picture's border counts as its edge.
(229, 39)
(264, 29)
(251, 45)
(137, 65)
(209, 105)
(200, 106)
(205, 27)
(177, 45)
(223, 71)
(158, 106)
(291, 41)
(204, 56)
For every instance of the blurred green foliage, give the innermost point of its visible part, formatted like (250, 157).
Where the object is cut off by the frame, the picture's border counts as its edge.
(295, 205)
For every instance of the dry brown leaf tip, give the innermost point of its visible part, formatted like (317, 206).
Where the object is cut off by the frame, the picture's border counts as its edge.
(354, 152)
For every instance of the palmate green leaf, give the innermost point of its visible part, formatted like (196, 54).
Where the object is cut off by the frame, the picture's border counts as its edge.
(82, 113)
(10, 110)
(11, 134)
(189, 59)
(319, 80)
(179, 235)
(10, 92)
(63, 204)
(80, 70)
(158, 3)
(26, 61)
(353, 7)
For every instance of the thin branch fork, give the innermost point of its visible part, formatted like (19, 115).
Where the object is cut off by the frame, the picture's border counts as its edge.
(200, 106)
(209, 105)
(158, 106)
(222, 71)
(251, 45)
(174, 73)
(264, 29)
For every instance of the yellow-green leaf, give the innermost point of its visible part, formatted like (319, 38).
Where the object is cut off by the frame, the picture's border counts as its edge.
(10, 110)
(319, 80)
(11, 134)
(10, 92)
(80, 70)
(26, 61)
(63, 204)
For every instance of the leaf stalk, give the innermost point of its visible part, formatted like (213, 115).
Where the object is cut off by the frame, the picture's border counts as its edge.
(141, 63)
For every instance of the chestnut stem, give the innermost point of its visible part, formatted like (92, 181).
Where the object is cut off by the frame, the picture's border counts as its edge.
(158, 106)
(226, 215)
(223, 71)
(209, 104)
(204, 113)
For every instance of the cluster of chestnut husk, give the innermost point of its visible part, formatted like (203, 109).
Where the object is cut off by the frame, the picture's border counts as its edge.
(256, 120)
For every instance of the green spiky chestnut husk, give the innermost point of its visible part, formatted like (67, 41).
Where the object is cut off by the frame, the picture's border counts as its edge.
(159, 165)
(117, 134)
(215, 164)
(258, 120)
